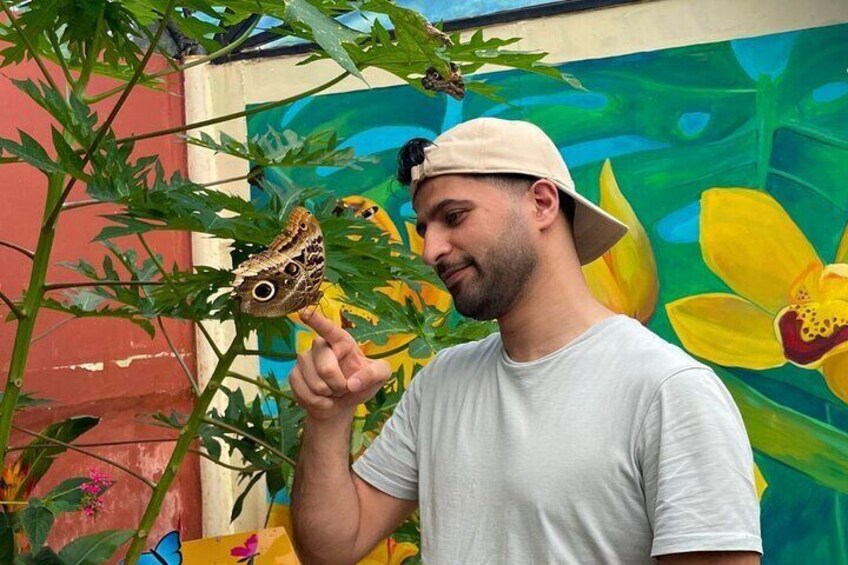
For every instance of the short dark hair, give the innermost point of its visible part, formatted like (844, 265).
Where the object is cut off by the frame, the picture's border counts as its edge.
(412, 154)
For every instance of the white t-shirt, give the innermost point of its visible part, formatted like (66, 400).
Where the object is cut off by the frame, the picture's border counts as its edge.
(616, 448)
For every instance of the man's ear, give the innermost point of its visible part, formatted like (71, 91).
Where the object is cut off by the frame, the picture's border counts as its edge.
(545, 196)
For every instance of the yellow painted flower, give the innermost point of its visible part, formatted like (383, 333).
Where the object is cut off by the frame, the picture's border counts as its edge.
(788, 305)
(624, 278)
(390, 552)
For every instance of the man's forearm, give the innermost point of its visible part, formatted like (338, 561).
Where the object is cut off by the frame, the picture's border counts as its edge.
(325, 505)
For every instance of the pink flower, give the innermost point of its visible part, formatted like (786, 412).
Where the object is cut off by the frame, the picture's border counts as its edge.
(248, 550)
(98, 483)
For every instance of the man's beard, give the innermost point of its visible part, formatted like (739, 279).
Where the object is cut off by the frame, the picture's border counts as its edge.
(499, 279)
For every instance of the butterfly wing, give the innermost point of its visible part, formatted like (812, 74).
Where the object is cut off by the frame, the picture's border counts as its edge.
(287, 276)
(166, 552)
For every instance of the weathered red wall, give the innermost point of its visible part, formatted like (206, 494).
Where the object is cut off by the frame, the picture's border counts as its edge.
(100, 367)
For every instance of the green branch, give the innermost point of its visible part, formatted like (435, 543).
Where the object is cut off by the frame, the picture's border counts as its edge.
(17, 247)
(85, 284)
(187, 435)
(259, 384)
(73, 447)
(83, 204)
(192, 381)
(18, 314)
(226, 50)
(235, 115)
(101, 133)
(238, 431)
(23, 333)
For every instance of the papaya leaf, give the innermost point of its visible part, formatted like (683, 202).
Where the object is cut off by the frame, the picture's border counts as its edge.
(239, 502)
(31, 152)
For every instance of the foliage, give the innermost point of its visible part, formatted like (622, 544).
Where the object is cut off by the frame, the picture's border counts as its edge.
(117, 39)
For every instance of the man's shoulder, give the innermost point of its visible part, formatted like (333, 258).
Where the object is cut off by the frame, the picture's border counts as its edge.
(643, 354)
(470, 351)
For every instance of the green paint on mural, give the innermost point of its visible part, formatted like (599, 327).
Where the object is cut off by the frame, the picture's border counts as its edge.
(768, 113)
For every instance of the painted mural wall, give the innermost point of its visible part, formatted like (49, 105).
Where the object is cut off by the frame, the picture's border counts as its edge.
(730, 161)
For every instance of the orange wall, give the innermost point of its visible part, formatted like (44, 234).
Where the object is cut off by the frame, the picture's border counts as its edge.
(101, 367)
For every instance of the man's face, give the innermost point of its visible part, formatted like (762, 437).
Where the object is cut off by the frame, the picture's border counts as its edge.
(476, 238)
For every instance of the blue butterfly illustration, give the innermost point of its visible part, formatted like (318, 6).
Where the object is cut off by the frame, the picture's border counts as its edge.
(166, 552)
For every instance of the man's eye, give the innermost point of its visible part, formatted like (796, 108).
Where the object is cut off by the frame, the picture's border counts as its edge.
(453, 218)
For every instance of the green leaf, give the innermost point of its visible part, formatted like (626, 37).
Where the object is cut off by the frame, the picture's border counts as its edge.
(45, 557)
(94, 549)
(239, 503)
(38, 456)
(325, 31)
(66, 496)
(7, 539)
(31, 152)
(37, 522)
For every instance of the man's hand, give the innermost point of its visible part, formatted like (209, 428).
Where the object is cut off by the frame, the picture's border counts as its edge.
(334, 376)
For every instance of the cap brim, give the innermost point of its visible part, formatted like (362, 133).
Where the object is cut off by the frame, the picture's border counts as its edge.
(595, 230)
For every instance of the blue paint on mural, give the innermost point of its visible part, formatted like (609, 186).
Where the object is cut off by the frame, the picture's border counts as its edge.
(586, 100)
(767, 55)
(830, 92)
(378, 139)
(693, 123)
(681, 226)
(605, 148)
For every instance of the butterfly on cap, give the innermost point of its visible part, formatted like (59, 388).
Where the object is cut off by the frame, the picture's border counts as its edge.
(288, 275)
(452, 85)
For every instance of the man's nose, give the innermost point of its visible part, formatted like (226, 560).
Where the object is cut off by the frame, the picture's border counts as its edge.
(436, 246)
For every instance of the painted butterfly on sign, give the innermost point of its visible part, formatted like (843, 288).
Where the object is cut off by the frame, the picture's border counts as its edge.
(166, 552)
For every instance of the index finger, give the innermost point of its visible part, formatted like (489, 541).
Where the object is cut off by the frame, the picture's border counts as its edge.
(325, 328)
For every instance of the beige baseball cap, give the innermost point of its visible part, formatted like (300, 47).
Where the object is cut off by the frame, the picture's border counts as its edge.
(494, 145)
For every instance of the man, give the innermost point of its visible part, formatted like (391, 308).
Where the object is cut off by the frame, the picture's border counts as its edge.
(573, 435)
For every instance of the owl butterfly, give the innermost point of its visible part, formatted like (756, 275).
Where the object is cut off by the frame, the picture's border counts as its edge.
(453, 85)
(287, 276)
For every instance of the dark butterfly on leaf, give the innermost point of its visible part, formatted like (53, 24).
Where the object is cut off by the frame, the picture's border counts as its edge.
(452, 85)
(288, 275)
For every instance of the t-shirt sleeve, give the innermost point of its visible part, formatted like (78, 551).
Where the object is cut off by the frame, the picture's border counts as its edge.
(390, 463)
(697, 468)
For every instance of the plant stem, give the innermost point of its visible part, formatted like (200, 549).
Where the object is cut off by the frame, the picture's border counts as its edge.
(32, 302)
(260, 384)
(165, 277)
(187, 436)
(192, 381)
(226, 50)
(249, 469)
(108, 443)
(59, 286)
(72, 447)
(101, 133)
(30, 47)
(54, 42)
(52, 329)
(235, 115)
(83, 204)
(17, 247)
(239, 431)
(269, 354)
(254, 173)
(18, 314)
